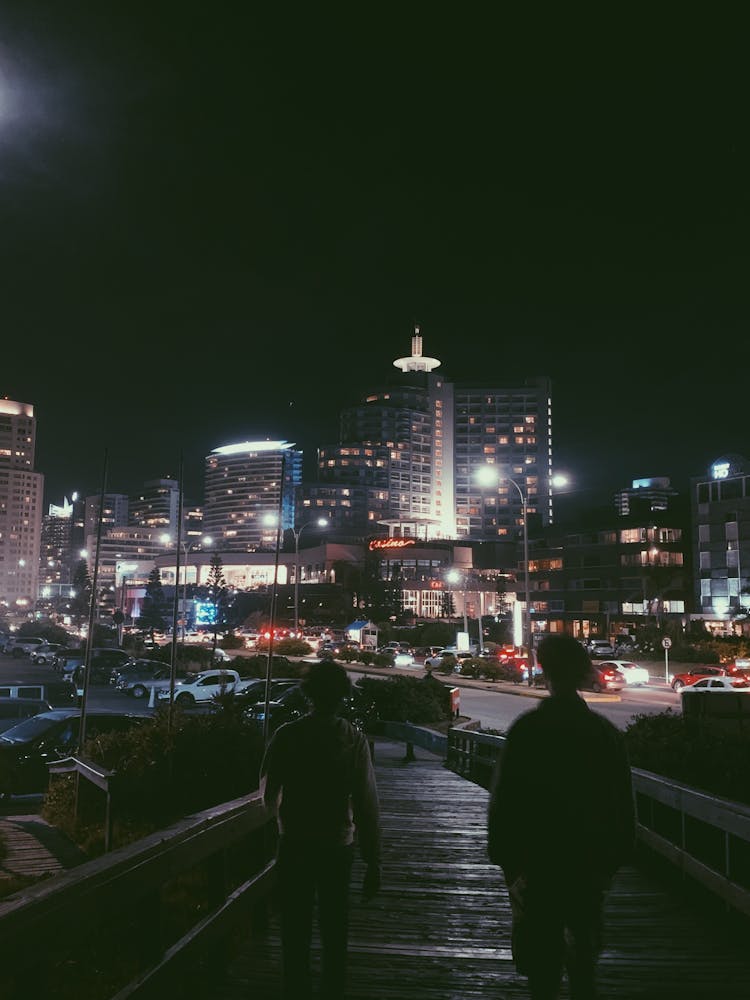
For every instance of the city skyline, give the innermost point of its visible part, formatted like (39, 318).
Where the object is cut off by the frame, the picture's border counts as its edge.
(218, 231)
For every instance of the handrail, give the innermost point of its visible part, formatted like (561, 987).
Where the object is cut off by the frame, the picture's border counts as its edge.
(706, 837)
(222, 858)
(228, 853)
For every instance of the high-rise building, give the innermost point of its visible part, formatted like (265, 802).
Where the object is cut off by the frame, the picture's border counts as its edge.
(409, 453)
(720, 514)
(247, 485)
(21, 499)
(62, 541)
(157, 505)
(652, 493)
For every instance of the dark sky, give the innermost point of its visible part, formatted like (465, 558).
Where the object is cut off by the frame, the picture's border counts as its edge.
(218, 226)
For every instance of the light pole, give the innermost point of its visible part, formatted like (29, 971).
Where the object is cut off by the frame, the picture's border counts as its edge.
(453, 576)
(269, 518)
(487, 474)
(322, 522)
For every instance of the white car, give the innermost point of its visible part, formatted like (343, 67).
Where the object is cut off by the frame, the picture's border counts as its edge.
(404, 659)
(202, 687)
(635, 675)
(717, 684)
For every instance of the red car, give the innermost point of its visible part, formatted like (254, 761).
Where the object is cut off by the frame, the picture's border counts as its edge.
(680, 681)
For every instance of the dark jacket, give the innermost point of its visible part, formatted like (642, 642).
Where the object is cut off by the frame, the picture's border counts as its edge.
(318, 774)
(561, 802)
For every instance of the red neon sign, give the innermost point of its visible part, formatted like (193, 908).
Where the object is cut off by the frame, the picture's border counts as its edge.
(390, 543)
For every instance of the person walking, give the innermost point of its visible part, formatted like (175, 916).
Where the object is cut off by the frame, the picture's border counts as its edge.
(560, 823)
(317, 775)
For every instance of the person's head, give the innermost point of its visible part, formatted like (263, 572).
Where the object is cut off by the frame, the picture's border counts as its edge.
(564, 662)
(326, 685)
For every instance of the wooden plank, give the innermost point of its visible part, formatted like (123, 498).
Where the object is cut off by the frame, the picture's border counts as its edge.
(440, 928)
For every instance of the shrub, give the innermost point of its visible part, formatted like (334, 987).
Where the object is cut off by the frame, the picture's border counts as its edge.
(447, 665)
(714, 761)
(163, 774)
(405, 699)
(232, 641)
(256, 665)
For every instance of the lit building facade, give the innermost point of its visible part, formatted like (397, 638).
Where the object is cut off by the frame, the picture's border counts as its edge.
(410, 451)
(157, 505)
(21, 499)
(247, 486)
(720, 513)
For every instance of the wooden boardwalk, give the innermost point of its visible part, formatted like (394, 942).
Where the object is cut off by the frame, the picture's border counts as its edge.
(440, 929)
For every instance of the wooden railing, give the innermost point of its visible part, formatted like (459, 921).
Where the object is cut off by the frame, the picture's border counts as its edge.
(133, 922)
(148, 912)
(706, 838)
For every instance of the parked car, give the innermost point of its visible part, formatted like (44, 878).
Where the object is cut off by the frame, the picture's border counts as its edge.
(202, 687)
(66, 661)
(717, 684)
(681, 680)
(601, 649)
(22, 645)
(27, 747)
(292, 703)
(604, 678)
(136, 678)
(59, 693)
(13, 710)
(45, 652)
(635, 674)
(287, 706)
(254, 692)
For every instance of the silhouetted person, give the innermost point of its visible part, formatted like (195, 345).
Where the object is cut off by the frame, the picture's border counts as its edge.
(318, 773)
(560, 824)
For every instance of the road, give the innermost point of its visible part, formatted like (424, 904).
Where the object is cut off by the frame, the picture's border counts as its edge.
(495, 709)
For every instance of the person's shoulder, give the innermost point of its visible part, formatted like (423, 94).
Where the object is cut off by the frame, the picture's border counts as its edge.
(524, 722)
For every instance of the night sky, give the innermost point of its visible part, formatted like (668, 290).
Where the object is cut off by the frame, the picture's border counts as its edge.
(218, 226)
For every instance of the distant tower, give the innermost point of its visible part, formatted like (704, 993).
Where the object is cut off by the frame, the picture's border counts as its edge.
(21, 492)
(416, 363)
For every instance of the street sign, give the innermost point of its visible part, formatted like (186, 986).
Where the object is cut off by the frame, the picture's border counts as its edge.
(666, 642)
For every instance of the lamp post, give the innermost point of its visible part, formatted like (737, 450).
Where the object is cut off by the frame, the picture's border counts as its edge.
(487, 474)
(269, 518)
(453, 576)
(322, 522)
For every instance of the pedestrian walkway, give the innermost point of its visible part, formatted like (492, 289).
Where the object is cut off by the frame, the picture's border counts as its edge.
(34, 848)
(440, 928)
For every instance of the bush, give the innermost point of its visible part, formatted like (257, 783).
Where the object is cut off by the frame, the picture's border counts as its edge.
(405, 699)
(256, 666)
(232, 641)
(163, 774)
(716, 762)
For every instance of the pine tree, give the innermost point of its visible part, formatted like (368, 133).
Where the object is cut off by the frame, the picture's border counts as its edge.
(154, 609)
(217, 587)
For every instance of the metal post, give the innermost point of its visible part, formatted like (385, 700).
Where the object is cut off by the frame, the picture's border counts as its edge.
(527, 621)
(173, 651)
(297, 533)
(274, 592)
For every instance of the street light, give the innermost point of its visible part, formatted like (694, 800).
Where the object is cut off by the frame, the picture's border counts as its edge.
(187, 548)
(486, 475)
(322, 522)
(453, 576)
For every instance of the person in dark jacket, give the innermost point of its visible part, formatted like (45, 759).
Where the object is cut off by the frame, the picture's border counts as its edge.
(317, 774)
(560, 823)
